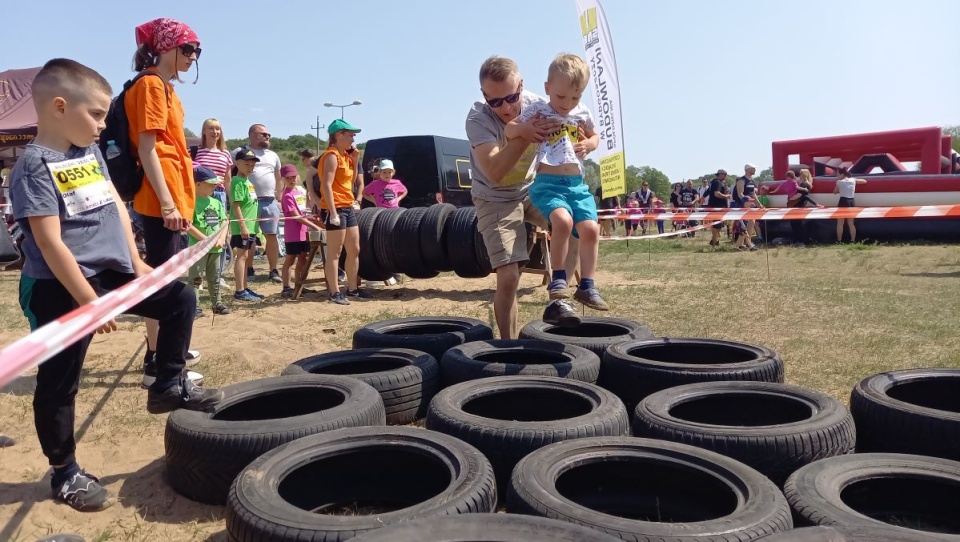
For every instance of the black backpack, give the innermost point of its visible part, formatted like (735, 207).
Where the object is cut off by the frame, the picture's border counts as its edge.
(125, 170)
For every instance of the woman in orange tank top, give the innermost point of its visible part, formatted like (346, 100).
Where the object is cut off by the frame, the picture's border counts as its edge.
(338, 209)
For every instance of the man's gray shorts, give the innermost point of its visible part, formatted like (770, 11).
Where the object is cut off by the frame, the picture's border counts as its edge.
(268, 208)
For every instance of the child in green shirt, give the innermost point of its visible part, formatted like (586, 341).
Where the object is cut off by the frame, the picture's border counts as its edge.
(244, 228)
(208, 216)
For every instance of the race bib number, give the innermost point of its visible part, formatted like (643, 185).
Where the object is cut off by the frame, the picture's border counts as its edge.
(81, 184)
(301, 199)
(252, 189)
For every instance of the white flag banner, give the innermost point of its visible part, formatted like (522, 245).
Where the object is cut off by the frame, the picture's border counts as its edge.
(606, 85)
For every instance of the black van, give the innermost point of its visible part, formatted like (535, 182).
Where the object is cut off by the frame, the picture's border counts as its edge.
(434, 169)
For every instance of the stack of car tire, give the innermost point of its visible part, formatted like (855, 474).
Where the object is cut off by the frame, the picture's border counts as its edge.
(421, 242)
(594, 434)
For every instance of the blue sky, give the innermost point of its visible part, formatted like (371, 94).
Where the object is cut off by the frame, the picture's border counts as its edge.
(705, 84)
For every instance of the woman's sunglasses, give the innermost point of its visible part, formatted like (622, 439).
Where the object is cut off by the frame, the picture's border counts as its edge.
(188, 49)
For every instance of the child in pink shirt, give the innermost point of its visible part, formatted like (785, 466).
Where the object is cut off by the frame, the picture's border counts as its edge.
(385, 191)
(293, 202)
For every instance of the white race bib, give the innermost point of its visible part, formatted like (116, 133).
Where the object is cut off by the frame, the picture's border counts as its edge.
(301, 198)
(81, 184)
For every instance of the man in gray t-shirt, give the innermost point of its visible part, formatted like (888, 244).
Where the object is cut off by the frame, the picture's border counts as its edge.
(502, 171)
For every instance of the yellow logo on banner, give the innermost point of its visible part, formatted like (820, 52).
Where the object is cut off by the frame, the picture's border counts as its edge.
(612, 174)
(588, 21)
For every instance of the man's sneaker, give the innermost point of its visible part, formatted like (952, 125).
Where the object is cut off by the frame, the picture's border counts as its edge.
(339, 299)
(192, 358)
(591, 299)
(561, 312)
(287, 292)
(245, 296)
(184, 394)
(150, 376)
(84, 493)
(359, 293)
(275, 276)
(557, 289)
(254, 294)
(221, 309)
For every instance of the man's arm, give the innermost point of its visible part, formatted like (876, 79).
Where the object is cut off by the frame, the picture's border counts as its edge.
(278, 187)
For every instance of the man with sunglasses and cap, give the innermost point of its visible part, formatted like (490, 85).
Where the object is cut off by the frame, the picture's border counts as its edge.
(502, 173)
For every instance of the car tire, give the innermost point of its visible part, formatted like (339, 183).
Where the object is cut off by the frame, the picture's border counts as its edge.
(914, 411)
(406, 379)
(482, 359)
(383, 245)
(486, 528)
(848, 534)
(465, 245)
(370, 269)
(648, 490)
(406, 245)
(433, 237)
(890, 491)
(774, 428)
(374, 477)
(431, 334)
(635, 369)
(206, 450)
(508, 417)
(595, 333)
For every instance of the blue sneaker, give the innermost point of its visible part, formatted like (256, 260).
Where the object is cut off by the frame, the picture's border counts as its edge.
(245, 296)
(254, 294)
(339, 299)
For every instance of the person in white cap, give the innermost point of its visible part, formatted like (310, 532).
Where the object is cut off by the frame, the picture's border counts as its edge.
(385, 191)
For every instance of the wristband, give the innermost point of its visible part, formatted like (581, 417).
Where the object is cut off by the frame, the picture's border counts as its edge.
(167, 210)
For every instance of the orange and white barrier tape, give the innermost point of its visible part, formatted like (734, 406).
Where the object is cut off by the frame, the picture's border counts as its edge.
(54, 337)
(662, 235)
(807, 213)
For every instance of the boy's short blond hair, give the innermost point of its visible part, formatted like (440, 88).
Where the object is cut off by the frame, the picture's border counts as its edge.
(570, 67)
(498, 69)
(68, 79)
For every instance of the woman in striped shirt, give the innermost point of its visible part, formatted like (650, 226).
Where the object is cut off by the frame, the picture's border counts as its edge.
(213, 154)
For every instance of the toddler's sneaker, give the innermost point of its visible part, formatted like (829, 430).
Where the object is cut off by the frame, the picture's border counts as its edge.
(339, 299)
(591, 299)
(245, 296)
(184, 394)
(557, 289)
(83, 493)
(561, 313)
(221, 309)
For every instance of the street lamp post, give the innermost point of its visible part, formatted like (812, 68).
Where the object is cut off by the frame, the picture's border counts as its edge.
(342, 107)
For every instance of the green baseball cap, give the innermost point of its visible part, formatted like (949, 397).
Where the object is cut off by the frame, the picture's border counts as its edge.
(340, 125)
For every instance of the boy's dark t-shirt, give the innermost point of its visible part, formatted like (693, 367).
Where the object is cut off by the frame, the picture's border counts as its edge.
(90, 223)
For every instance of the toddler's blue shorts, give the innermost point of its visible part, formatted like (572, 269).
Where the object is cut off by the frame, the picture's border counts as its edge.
(551, 192)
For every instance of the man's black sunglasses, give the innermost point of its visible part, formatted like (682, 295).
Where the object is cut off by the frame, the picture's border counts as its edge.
(511, 99)
(188, 49)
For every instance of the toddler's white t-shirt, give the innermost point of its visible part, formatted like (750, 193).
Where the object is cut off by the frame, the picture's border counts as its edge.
(558, 149)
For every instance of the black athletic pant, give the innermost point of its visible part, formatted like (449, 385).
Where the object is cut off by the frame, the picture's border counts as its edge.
(58, 378)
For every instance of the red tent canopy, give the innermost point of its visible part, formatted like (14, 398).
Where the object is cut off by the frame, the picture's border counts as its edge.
(18, 118)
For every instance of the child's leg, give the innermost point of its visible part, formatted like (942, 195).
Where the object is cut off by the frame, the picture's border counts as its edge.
(240, 268)
(288, 260)
(853, 230)
(58, 379)
(213, 278)
(195, 271)
(302, 264)
(561, 226)
(589, 232)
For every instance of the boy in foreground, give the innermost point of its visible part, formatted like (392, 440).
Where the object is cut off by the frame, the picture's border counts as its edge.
(78, 246)
(558, 190)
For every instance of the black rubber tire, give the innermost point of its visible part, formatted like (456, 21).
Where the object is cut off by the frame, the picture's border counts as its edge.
(848, 534)
(462, 240)
(206, 450)
(916, 411)
(406, 245)
(383, 245)
(431, 334)
(433, 237)
(482, 359)
(774, 428)
(486, 528)
(406, 379)
(596, 333)
(436, 475)
(873, 490)
(507, 417)
(635, 369)
(370, 269)
(648, 490)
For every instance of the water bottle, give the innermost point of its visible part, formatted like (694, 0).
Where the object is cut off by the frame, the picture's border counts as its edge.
(113, 150)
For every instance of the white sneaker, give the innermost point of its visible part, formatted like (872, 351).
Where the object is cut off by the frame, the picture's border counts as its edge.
(193, 358)
(223, 283)
(194, 377)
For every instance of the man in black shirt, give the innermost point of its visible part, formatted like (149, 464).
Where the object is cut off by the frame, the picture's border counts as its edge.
(688, 200)
(718, 197)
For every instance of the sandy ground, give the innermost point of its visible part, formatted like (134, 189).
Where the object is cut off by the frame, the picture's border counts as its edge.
(119, 441)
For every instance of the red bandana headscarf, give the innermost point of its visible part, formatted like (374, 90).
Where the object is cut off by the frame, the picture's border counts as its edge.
(164, 34)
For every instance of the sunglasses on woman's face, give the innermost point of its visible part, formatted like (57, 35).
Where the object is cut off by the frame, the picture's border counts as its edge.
(188, 49)
(510, 99)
